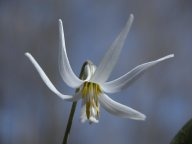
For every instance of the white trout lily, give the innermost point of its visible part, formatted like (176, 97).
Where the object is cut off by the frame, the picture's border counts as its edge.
(92, 88)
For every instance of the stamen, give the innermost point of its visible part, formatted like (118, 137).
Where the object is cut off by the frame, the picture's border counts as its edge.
(90, 92)
(88, 104)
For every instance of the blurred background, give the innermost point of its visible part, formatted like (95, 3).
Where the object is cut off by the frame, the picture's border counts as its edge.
(31, 114)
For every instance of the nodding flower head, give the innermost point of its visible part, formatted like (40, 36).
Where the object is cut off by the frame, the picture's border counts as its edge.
(92, 85)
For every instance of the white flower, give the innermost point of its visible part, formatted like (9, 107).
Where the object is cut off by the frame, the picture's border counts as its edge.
(93, 88)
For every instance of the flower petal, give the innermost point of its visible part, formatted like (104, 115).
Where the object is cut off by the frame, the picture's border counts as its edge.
(125, 80)
(47, 81)
(110, 58)
(118, 109)
(64, 66)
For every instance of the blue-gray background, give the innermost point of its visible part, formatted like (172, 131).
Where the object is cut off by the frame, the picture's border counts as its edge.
(31, 114)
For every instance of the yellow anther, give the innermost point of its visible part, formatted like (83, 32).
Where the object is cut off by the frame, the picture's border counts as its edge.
(84, 89)
(90, 92)
(88, 105)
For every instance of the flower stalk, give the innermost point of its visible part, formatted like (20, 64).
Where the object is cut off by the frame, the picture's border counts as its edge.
(69, 123)
(82, 76)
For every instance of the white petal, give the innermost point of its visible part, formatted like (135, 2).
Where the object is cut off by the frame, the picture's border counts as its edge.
(109, 60)
(47, 81)
(64, 66)
(118, 109)
(125, 80)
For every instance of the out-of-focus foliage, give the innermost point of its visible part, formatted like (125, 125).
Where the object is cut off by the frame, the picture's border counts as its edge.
(184, 136)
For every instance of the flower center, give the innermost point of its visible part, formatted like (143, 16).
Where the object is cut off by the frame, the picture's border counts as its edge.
(90, 93)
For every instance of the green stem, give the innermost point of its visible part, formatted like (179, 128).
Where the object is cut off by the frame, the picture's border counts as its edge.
(69, 123)
(82, 76)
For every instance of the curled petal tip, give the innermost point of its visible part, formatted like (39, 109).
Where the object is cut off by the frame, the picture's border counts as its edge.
(60, 21)
(143, 117)
(172, 55)
(27, 54)
(166, 57)
(130, 20)
(139, 116)
(131, 16)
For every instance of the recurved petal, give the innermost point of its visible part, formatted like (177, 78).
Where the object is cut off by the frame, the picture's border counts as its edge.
(64, 66)
(118, 109)
(47, 81)
(109, 60)
(125, 80)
